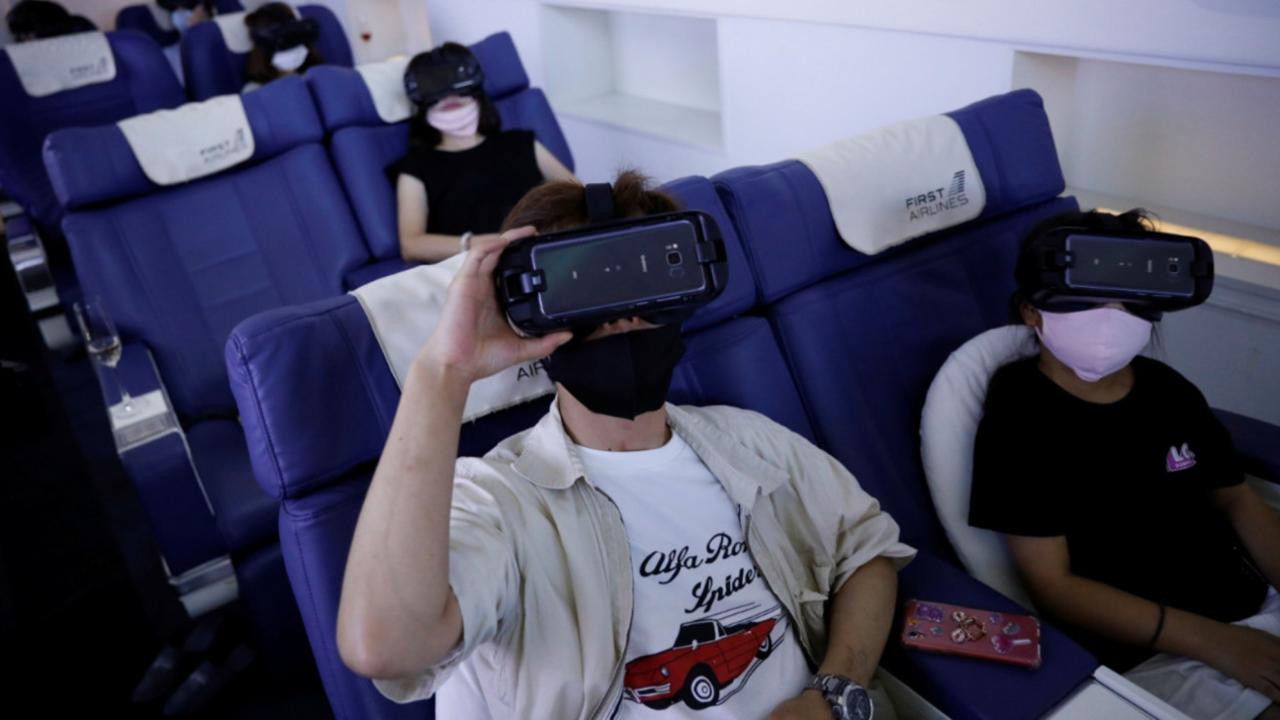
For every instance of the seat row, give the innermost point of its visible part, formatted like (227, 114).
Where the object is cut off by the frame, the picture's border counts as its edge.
(837, 345)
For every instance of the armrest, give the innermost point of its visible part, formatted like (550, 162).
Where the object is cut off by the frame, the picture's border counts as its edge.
(157, 460)
(1257, 443)
(965, 688)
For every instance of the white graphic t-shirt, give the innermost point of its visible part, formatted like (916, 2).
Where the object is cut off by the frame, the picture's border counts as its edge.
(709, 639)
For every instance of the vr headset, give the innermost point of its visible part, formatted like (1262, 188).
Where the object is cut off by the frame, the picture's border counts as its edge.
(444, 71)
(274, 38)
(658, 267)
(1069, 269)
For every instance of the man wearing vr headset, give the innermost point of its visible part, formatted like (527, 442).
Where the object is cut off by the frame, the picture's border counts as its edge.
(283, 44)
(625, 556)
(1117, 489)
(462, 173)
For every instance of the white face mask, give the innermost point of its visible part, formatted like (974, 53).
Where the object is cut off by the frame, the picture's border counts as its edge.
(460, 121)
(291, 59)
(1094, 343)
(181, 19)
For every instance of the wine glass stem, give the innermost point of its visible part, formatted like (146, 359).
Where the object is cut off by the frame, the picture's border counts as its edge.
(125, 400)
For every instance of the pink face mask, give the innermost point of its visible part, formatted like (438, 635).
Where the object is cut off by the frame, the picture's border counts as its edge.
(462, 120)
(1094, 343)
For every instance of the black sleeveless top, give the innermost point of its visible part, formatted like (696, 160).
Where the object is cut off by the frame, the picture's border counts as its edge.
(473, 189)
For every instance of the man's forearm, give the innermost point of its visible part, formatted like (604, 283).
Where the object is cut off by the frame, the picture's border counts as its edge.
(860, 620)
(395, 593)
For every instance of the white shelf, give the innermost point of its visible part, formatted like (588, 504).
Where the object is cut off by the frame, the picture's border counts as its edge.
(680, 123)
(652, 74)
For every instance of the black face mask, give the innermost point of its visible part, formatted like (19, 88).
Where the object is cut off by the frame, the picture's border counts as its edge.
(621, 375)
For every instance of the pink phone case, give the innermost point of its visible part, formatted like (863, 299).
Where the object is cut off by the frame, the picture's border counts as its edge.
(955, 630)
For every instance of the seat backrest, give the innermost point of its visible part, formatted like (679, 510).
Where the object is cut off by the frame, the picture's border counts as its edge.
(363, 145)
(179, 266)
(212, 68)
(146, 19)
(143, 82)
(865, 334)
(948, 426)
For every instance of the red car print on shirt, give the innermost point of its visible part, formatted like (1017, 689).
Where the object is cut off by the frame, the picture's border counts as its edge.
(705, 658)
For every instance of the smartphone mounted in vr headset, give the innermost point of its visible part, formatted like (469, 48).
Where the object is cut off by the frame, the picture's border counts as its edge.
(1073, 268)
(275, 38)
(658, 267)
(433, 75)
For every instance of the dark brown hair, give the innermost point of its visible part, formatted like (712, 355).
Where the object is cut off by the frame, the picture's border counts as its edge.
(562, 204)
(259, 68)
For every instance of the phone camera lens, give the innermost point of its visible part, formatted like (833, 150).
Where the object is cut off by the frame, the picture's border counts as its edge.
(1173, 268)
(673, 258)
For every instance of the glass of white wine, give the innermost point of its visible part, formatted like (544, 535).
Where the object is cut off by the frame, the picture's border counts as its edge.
(103, 343)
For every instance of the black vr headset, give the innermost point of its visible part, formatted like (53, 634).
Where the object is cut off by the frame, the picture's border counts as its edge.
(448, 70)
(1068, 269)
(658, 267)
(274, 38)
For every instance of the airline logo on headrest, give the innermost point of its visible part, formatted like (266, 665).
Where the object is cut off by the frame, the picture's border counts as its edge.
(89, 71)
(530, 371)
(938, 200)
(219, 151)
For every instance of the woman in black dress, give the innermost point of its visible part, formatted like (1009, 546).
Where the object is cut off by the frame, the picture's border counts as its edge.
(462, 173)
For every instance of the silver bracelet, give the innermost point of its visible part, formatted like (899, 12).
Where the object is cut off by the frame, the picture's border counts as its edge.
(464, 242)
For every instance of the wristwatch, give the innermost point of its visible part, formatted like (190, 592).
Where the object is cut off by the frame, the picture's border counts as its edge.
(848, 699)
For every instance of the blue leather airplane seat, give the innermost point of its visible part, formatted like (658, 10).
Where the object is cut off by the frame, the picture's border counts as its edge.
(363, 145)
(178, 266)
(211, 68)
(143, 83)
(865, 335)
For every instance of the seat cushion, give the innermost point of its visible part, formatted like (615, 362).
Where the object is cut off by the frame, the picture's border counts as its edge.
(864, 347)
(246, 515)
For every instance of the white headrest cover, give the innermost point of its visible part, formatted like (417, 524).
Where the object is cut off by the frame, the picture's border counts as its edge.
(191, 141)
(234, 32)
(952, 410)
(404, 308)
(385, 81)
(53, 65)
(899, 182)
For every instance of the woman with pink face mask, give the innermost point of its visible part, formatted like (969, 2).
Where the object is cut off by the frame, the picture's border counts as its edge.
(1124, 507)
(462, 173)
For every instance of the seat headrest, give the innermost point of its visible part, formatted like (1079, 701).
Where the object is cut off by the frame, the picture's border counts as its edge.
(899, 182)
(948, 425)
(235, 34)
(503, 72)
(96, 164)
(373, 93)
(57, 64)
(784, 218)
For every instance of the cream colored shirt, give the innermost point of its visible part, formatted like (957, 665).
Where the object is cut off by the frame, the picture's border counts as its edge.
(540, 561)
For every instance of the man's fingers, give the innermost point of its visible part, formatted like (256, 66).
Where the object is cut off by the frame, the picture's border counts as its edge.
(541, 347)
